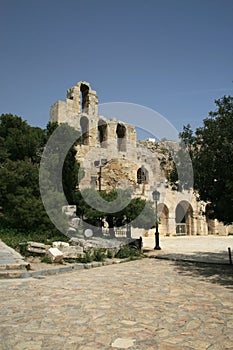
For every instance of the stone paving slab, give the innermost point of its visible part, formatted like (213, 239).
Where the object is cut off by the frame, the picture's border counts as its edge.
(140, 305)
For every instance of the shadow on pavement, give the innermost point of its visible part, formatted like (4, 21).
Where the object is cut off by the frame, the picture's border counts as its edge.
(205, 257)
(206, 266)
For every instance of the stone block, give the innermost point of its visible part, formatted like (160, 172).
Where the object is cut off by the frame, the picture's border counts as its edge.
(55, 254)
(72, 252)
(60, 244)
(36, 247)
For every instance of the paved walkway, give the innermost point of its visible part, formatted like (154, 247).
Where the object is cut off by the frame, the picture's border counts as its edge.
(208, 249)
(147, 304)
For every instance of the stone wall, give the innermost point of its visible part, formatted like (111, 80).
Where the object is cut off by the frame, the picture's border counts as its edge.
(111, 157)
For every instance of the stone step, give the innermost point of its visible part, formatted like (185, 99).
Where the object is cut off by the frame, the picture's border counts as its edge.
(7, 274)
(12, 264)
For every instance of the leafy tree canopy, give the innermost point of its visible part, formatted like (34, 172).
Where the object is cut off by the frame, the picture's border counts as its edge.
(19, 140)
(21, 147)
(133, 211)
(211, 150)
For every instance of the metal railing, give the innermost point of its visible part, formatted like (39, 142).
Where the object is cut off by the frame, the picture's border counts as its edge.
(120, 232)
(182, 229)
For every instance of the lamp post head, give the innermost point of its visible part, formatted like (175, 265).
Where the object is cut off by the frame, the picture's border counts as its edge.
(156, 195)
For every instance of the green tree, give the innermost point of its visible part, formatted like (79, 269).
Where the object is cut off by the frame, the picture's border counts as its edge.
(211, 150)
(213, 161)
(20, 140)
(20, 148)
(59, 164)
(133, 211)
(180, 174)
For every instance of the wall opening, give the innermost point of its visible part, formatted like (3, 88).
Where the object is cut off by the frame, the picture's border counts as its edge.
(84, 125)
(84, 98)
(102, 133)
(121, 137)
(142, 176)
(184, 218)
(70, 94)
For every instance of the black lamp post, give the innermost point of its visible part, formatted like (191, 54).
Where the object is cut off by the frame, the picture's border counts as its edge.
(156, 196)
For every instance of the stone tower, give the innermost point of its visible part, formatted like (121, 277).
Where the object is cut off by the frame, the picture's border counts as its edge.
(106, 143)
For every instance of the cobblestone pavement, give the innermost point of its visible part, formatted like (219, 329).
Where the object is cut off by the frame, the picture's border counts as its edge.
(144, 304)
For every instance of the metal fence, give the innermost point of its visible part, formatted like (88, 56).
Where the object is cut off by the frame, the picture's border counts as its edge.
(120, 232)
(182, 229)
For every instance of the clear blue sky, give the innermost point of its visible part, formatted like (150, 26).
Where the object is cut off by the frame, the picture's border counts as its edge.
(174, 56)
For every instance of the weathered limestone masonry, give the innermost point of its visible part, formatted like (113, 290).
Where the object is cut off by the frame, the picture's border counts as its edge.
(111, 157)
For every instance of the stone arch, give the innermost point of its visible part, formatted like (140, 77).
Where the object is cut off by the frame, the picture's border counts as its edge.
(163, 214)
(184, 218)
(84, 125)
(142, 176)
(121, 137)
(102, 133)
(84, 98)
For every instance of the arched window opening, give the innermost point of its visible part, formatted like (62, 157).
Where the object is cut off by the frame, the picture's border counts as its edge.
(102, 133)
(142, 176)
(84, 98)
(84, 125)
(184, 218)
(121, 137)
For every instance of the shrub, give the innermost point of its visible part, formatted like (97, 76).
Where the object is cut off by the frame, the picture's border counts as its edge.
(86, 259)
(46, 259)
(127, 252)
(109, 254)
(18, 239)
(98, 255)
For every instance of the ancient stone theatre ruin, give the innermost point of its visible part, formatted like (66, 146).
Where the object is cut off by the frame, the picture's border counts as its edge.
(111, 147)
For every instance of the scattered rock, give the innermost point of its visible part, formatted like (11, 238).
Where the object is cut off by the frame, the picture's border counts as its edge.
(60, 244)
(89, 245)
(72, 252)
(55, 254)
(35, 247)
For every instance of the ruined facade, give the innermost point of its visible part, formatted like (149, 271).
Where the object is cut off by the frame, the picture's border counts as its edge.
(112, 157)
